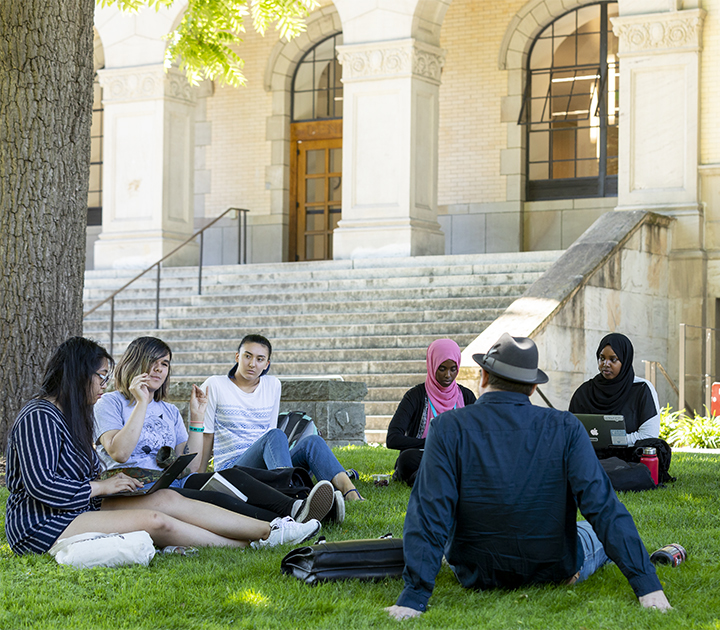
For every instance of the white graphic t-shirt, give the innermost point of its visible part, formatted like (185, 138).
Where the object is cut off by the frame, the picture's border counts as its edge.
(239, 419)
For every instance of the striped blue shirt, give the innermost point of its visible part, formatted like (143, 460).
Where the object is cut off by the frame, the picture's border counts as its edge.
(48, 478)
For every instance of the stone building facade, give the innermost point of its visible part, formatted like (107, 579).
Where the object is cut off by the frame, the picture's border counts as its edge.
(422, 127)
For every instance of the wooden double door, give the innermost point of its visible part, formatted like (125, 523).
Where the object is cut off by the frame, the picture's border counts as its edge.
(316, 188)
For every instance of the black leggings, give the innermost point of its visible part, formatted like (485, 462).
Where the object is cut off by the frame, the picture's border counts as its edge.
(263, 502)
(407, 464)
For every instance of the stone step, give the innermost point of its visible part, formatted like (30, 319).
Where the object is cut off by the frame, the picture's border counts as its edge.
(292, 357)
(355, 368)
(185, 289)
(308, 302)
(306, 321)
(306, 344)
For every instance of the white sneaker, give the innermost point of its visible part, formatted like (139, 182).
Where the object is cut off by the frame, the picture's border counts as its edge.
(286, 531)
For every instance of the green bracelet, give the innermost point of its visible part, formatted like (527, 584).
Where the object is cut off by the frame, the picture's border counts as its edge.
(200, 430)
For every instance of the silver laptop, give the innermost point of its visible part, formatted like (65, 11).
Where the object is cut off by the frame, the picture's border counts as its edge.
(604, 431)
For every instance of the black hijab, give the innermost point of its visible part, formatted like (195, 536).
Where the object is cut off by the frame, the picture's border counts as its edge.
(609, 396)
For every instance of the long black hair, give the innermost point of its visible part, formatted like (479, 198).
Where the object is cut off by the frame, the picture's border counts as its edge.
(68, 381)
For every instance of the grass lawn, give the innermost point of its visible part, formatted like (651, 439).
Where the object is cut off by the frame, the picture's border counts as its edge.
(230, 589)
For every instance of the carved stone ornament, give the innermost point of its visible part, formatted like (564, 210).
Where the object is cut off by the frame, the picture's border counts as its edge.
(393, 59)
(668, 31)
(136, 84)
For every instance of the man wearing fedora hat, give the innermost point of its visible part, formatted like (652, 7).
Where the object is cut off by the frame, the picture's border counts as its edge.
(498, 491)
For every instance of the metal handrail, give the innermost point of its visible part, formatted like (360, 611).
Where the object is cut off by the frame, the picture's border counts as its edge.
(242, 259)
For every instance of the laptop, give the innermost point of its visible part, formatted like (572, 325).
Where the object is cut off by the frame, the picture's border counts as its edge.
(604, 431)
(169, 475)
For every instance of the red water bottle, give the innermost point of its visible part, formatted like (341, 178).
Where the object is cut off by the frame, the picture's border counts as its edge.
(650, 459)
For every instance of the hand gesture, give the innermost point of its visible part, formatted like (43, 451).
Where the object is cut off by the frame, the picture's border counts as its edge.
(139, 388)
(198, 403)
(117, 483)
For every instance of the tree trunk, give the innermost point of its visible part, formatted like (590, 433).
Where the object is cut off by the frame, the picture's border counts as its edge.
(46, 75)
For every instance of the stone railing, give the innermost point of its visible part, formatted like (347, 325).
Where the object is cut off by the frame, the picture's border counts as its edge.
(336, 406)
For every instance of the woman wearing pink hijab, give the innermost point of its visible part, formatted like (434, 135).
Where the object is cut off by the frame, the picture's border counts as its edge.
(421, 404)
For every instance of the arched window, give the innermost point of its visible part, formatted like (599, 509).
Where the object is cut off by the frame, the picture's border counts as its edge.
(317, 86)
(570, 107)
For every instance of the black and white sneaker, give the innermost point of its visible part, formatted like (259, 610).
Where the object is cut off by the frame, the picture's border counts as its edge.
(318, 504)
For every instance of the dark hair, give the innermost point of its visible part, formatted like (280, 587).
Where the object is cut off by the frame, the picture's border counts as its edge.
(68, 379)
(256, 339)
(138, 359)
(498, 382)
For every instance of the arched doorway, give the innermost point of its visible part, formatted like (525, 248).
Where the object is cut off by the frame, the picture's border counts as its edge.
(316, 152)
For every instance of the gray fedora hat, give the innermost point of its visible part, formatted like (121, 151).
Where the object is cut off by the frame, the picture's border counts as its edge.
(513, 358)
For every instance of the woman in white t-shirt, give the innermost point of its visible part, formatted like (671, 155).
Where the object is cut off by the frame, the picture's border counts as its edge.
(241, 423)
(134, 422)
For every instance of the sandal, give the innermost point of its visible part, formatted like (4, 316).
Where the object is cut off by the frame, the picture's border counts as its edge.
(360, 498)
(353, 474)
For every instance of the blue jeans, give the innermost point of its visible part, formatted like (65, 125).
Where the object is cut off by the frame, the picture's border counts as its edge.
(595, 555)
(311, 453)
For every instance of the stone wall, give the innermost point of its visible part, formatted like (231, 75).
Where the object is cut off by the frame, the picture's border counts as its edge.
(336, 406)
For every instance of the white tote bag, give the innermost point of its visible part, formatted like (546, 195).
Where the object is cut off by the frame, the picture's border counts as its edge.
(104, 550)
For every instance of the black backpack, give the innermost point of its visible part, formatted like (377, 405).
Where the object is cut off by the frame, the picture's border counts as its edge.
(664, 454)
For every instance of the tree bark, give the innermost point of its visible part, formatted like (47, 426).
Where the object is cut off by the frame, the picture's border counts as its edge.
(46, 75)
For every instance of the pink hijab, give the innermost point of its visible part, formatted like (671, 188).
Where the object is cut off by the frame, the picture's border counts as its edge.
(442, 398)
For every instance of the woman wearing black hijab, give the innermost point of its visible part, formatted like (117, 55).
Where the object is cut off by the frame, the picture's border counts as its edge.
(617, 391)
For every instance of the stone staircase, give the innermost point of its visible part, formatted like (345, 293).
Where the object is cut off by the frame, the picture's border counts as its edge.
(365, 320)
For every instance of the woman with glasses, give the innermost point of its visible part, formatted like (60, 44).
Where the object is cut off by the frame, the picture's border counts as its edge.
(616, 390)
(52, 474)
(133, 424)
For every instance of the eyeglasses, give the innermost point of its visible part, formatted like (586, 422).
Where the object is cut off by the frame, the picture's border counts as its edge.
(104, 378)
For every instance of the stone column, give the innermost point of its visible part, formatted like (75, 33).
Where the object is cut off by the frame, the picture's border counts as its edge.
(148, 167)
(659, 152)
(390, 150)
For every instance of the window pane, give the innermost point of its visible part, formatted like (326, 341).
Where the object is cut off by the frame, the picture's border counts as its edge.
(96, 149)
(542, 54)
(322, 104)
(338, 106)
(315, 161)
(303, 106)
(612, 167)
(94, 200)
(335, 189)
(304, 77)
(335, 161)
(563, 170)
(315, 220)
(539, 171)
(565, 25)
(539, 146)
(588, 18)
(587, 168)
(540, 85)
(325, 50)
(587, 146)
(314, 190)
(314, 249)
(95, 177)
(588, 49)
(564, 144)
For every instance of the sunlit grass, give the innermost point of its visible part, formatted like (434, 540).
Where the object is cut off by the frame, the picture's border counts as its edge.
(223, 588)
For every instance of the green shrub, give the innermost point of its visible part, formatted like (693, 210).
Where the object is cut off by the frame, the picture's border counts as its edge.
(679, 429)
